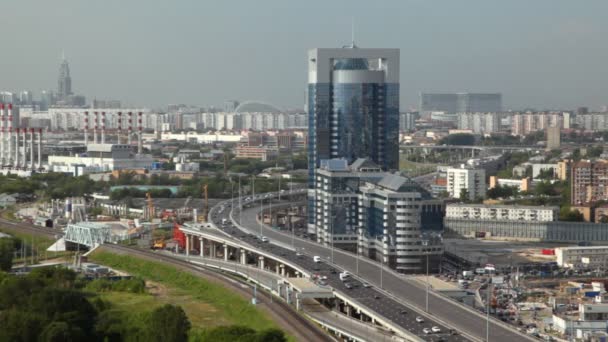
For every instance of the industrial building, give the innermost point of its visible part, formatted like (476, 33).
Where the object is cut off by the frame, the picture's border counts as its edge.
(101, 158)
(17, 152)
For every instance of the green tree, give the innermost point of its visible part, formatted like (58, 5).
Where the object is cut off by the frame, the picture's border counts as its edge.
(270, 335)
(228, 333)
(61, 305)
(62, 332)
(111, 326)
(464, 195)
(566, 214)
(19, 325)
(168, 323)
(7, 248)
(458, 139)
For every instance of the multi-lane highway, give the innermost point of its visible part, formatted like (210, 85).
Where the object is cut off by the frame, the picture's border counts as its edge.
(371, 297)
(395, 289)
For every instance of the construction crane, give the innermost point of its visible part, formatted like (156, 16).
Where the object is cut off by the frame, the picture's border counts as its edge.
(206, 204)
(159, 243)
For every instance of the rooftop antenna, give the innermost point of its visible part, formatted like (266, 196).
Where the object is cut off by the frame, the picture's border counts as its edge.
(352, 32)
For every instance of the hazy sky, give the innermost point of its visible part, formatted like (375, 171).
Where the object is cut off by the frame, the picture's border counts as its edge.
(538, 53)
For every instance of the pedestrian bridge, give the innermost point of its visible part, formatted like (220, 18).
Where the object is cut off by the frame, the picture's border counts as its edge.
(89, 234)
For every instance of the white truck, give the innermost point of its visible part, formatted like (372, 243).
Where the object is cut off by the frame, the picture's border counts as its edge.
(344, 276)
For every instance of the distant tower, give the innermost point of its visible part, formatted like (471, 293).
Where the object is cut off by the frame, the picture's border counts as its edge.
(64, 83)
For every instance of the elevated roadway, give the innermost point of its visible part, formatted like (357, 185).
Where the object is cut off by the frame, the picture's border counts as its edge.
(399, 288)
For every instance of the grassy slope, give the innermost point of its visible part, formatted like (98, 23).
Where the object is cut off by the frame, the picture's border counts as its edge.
(207, 304)
(40, 245)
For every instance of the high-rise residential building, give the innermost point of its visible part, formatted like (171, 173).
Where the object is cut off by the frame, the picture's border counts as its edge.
(471, 180)
(589, 182)
(26, 98)
(460, 102)
(524, 124)
(553, 137)
(353, 108)
(407, 121)
(479, 123)
(64, 82)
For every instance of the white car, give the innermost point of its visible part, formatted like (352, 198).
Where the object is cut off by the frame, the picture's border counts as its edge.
(419, 319)
(436, 329)
(264, 239)
(426, 331)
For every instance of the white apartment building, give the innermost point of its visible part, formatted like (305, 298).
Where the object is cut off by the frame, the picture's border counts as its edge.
(502, 212)
(471, 180)
(479, 123)
(538, 168)
(584, 256)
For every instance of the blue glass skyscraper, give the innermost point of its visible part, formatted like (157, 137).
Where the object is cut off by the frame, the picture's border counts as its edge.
(353, 109)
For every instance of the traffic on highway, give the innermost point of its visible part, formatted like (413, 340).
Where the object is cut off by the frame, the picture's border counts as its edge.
(326, 274)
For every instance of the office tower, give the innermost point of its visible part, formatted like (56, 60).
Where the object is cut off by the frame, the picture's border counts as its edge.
(473, 181)
(379, 214)
(460, 102)
(64, 82)
(353, 108)
(553, 138)
(26, 98)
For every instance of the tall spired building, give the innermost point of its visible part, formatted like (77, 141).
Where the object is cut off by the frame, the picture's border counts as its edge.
(353, 109)
(64, 83)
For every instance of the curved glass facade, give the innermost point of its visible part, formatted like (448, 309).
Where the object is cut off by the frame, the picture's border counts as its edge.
(353, 109)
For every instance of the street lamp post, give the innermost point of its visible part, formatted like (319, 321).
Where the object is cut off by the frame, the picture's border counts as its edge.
(382, 261)
(425, 243)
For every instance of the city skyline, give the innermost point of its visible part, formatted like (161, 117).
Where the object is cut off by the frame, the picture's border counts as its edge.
(526, 56)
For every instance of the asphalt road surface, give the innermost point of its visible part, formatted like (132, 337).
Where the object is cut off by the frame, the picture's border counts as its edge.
(446, 310)
(370, 296)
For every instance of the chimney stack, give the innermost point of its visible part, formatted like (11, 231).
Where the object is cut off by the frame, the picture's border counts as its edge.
(16, 164)
(86, 129)
(139, 136)
(2, 134)
(40, 148)
(103, 127)
(95, 127)
(130, 128)
(118, 135)
(24, 147)
(31, 149)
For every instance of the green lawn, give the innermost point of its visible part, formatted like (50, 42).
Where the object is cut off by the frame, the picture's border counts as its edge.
(206, 304)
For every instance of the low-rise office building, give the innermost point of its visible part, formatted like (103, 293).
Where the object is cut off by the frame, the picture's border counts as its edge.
(582, 256)
(501, 212)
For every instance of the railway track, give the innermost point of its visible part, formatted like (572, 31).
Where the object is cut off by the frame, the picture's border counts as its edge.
(297, 325)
